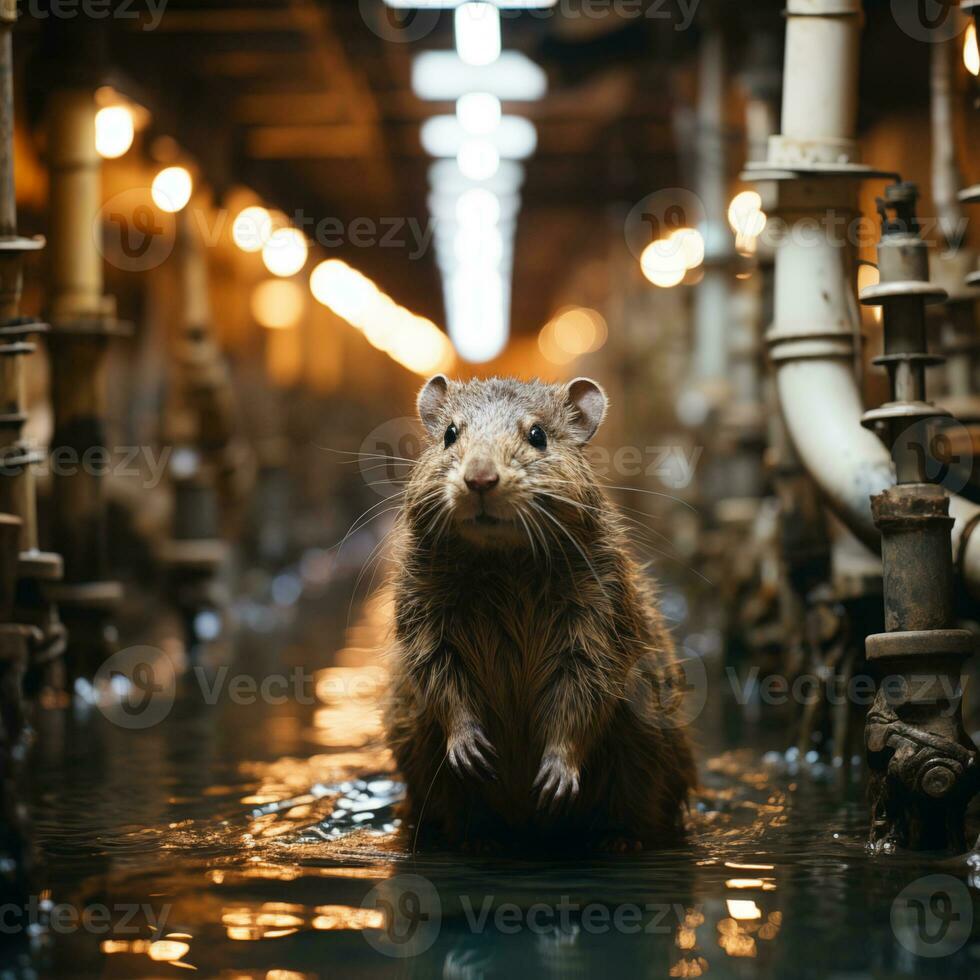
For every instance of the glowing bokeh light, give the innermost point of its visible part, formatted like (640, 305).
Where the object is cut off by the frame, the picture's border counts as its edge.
(252, 228)
(172, 188)
(662, 263)
(478, 33)
(745, 215)
(971, 50)
(478, 113)
(284, 254)
(691, 244)
(478, 159)
(278, 304)
(413, 341)
(478, 207)
(114, 131)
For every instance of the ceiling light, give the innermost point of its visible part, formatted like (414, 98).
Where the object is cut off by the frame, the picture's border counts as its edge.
(478, 33)
(478, 113)
(443, 76)
(478, 159)
(251, 228)
(114, 131)
(277, 304)
(172, 188)
(284, 254)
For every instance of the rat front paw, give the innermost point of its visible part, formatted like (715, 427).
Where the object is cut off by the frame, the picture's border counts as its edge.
(557, 781)
(469, 752)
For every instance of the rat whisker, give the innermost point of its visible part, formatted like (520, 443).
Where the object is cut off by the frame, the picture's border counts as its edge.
(578, 547)
(527, 531)
(357, 526)
(348, 452)
(651, 493)
(374, 551)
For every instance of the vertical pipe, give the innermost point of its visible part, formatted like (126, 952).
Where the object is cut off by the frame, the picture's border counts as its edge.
(923, 765)
(82, 322)
(711, 296)
(17, 460)
(946, 177)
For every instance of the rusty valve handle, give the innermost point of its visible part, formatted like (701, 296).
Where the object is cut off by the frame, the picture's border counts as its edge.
(923, 762)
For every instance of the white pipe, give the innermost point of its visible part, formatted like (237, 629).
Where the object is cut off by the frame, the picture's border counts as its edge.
(711, 315)
(946, 178)
(821, 80)
(812, 339)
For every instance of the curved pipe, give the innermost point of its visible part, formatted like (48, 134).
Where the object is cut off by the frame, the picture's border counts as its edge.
(812, 339)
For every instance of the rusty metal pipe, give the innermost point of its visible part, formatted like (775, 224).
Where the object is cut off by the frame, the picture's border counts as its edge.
(923, 764)
(35, 568)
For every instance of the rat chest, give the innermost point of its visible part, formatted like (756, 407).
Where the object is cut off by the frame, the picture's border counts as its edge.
(506, 642)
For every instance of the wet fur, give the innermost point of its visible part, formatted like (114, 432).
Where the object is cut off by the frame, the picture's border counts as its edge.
(554, 655)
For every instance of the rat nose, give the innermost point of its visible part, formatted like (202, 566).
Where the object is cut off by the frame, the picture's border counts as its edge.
(481, 477)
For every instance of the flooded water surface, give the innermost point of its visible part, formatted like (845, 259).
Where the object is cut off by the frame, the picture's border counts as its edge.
(251, 832)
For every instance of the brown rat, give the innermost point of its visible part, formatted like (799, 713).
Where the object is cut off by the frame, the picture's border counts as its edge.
(534, 684)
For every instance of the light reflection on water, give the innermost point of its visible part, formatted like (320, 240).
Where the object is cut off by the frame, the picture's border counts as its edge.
(266, 840)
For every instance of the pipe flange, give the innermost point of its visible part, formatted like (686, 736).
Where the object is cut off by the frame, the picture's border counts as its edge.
(799, 168)
(22, 326)
(40, 566)
(926, 291)
(17, 349)
(902, 412)
(87, 595)
(926, 360)
(793, 346)
(913, 644)
(19, 244)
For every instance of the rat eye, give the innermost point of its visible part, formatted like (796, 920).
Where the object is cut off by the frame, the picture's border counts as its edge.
(452, 434)
(537, 438)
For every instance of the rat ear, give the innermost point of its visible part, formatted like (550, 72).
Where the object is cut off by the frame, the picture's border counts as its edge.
(430, 402)
(589, 404)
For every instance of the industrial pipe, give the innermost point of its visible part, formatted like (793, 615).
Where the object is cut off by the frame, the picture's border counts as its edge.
(922, 762)
(82, 321)
(711, 297)
(36, 568)
(815, 162)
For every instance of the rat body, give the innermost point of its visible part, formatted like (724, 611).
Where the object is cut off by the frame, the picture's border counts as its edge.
(534, 689)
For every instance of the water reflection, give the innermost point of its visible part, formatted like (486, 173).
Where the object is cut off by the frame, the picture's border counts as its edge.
(270, 834)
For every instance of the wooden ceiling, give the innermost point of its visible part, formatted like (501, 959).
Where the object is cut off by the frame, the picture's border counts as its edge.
(303, 102)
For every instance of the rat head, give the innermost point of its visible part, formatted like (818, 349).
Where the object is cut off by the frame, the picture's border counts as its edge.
(501, 452)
